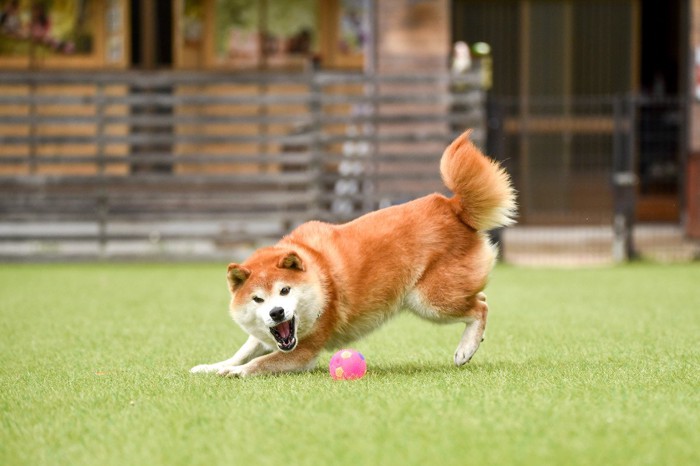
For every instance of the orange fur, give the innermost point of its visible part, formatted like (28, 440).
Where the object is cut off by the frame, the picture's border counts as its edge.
(429, 256)
(481, 186)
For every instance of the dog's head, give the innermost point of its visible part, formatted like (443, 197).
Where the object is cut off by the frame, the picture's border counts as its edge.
(275, 297)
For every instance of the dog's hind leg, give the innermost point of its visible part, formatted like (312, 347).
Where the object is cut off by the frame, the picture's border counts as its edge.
(474, 332)
(440, 307)
(250, 350)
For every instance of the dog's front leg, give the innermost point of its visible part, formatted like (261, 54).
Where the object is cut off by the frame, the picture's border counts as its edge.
(303, 358)
(251, 349)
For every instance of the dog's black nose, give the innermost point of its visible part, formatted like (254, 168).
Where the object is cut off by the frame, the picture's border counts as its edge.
(277, 314)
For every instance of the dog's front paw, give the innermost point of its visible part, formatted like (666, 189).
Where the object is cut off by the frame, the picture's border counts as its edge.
(205, 369)
(231, 371)
(463, 356)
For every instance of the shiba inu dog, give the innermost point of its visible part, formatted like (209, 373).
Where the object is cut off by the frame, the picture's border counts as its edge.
(323, 285)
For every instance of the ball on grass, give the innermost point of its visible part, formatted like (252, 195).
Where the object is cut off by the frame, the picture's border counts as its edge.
(347, 364)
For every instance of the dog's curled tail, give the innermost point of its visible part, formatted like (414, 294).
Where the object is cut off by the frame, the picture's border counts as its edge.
(481, 186)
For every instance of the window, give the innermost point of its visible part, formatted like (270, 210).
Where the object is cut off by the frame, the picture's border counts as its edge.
(271, 34)
(62, 33)
(247, 34)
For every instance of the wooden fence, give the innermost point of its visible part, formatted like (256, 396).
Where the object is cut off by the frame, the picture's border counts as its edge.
(177, 164)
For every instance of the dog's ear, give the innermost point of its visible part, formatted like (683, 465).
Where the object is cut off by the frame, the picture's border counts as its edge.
(236, 276)
(291, 261)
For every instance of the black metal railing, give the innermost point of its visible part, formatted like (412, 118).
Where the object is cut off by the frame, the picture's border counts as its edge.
(600, 179)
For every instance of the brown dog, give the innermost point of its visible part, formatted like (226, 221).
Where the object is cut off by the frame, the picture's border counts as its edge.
(323, 285)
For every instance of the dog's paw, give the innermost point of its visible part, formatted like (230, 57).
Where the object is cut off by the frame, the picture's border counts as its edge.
(231, 371)
(205, 369)
(464, 355)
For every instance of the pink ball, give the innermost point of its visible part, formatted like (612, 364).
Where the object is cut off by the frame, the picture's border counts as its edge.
(347, 364)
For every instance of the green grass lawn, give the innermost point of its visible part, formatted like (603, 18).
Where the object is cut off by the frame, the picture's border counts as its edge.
(579, 367)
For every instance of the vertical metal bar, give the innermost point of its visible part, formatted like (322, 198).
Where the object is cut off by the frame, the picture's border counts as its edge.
(99, 130)
(263, 31)
(524, 111)
(630, 191)
(372, 44)
(618, 244)
(495, 149)
(264, 127)
(371, 165)
(102, 195)
(567, 111)
(683, 158)
(316, 130)
(32, 164)
(372, 72)
(263, 87)
(32, 161)
(624, 178)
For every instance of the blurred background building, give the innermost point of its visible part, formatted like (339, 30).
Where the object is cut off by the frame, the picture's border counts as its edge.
(137, 112)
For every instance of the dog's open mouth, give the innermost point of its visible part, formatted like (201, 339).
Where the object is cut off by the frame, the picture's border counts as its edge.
(285, 334)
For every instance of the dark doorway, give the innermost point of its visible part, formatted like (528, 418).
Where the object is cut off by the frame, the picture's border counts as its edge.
(661, 115)
(151, 33)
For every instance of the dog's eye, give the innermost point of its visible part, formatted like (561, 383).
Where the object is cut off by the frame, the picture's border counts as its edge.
(258, 299)
(285, 291)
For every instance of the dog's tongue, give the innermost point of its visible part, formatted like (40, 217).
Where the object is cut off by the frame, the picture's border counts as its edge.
(283, 330)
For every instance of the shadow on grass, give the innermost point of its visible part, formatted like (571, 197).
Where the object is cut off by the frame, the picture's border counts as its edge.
(422, 368)
(532, 367)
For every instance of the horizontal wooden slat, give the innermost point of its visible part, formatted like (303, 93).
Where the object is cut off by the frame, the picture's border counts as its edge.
(587, 124)
(159, 79)
(158, 180)
(298, 159)
(175, 100)
(151, 157)
(150, 138)
(300, 120)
